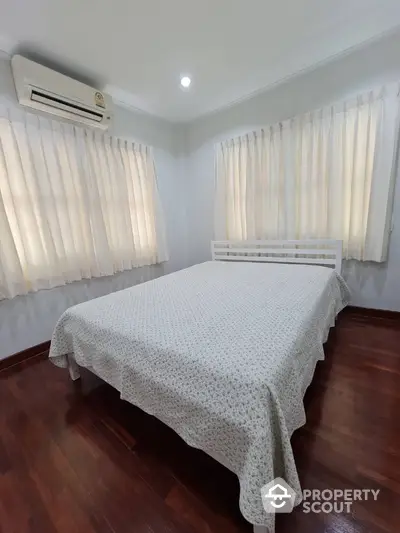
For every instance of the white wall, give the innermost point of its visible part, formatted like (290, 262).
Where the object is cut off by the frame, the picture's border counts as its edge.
(29, 320)
(372, 285)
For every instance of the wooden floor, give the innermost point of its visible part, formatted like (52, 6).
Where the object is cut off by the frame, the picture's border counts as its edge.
(77, 461)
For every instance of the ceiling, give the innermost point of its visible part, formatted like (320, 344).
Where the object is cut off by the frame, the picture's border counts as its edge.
(232, 49)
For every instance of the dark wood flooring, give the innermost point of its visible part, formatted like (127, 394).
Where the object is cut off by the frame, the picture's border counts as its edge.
(77, 459)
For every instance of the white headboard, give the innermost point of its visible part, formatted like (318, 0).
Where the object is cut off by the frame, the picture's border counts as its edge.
(308, 252)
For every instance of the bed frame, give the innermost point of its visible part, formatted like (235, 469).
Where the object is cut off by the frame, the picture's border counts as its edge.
(310, 252)
(324, 252)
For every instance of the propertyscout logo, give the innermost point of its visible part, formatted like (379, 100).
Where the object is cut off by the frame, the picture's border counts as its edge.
(279, 497)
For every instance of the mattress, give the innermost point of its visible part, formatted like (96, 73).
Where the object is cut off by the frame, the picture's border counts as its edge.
(220, 352)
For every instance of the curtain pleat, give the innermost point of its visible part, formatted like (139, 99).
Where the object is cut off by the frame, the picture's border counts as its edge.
(328, 174)
(74, 204)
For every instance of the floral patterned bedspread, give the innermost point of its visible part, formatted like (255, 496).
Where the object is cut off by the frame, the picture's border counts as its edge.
(220, 352)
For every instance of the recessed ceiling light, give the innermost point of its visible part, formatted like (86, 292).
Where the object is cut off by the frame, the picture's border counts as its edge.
(185, 82)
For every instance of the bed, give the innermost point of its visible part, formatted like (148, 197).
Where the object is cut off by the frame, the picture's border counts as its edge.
(222, 352)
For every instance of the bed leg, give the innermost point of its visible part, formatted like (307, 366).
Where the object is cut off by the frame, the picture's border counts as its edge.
(73, 368)
(260, 529)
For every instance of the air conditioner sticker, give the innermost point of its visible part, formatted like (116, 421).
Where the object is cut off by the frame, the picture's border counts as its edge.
(99, 99)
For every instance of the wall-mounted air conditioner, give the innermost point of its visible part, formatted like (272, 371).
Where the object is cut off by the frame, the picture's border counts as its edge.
(44, 89)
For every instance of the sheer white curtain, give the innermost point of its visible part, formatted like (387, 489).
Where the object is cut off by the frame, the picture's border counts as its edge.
(74, 204)
(325, 174)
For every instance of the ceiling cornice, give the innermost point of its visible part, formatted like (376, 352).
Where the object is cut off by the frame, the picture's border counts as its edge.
(128, 100)
(311, 68)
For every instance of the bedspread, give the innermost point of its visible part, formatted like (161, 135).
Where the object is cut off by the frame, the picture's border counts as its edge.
(220, 352)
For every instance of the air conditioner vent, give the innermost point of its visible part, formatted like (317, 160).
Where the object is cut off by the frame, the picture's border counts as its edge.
(58, 103)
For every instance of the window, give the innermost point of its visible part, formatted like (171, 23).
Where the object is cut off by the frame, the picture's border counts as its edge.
(326, 174)
(74, 204)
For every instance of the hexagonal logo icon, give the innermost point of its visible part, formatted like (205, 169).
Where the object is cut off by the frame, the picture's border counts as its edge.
(278, 497)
